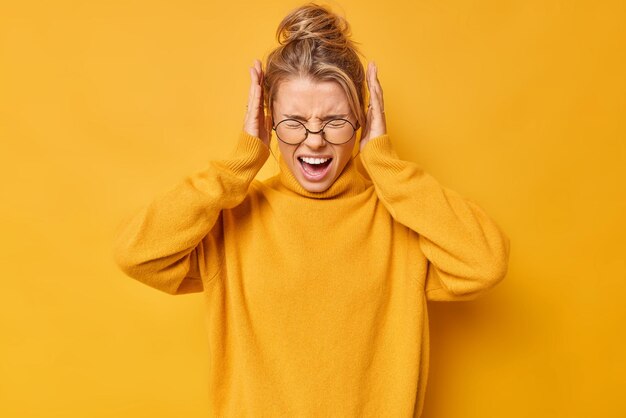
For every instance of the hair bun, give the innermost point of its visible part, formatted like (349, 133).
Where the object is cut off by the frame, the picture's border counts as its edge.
(315, 22)
(315, 43)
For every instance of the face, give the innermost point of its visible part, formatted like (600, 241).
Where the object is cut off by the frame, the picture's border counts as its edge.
(313, 103)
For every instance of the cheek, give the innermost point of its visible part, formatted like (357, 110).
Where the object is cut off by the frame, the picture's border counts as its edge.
(285, 152)
(345, 154)
(287, 156)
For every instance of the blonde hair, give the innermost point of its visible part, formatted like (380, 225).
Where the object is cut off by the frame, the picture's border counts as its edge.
(315, 43)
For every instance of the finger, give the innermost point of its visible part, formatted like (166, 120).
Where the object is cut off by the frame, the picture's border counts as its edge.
(253, 108)
(373, 85)
(258, 80)
(374, 79)
(251, 90)
(255, 80)
(377, 100)
(379, 87)
(254, 105)
(379, 94)
(261, 78)
(257, 104)
(259, 71)
(250, 94)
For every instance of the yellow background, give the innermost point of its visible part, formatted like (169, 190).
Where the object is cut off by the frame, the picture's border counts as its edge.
(518, 105)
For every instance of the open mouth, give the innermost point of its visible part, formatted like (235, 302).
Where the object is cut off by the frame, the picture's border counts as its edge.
(315, 171)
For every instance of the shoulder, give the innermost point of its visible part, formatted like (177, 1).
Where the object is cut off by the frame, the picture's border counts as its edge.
(269, 183)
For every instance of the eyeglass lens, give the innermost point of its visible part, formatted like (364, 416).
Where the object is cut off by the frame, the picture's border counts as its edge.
(335, 131)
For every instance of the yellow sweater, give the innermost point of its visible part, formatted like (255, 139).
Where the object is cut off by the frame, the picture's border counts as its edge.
(316, 303)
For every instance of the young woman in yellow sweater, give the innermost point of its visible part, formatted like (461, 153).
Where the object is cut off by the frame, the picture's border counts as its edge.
(316, 280)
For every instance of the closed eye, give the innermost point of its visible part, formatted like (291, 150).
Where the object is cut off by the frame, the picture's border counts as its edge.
(336, 124)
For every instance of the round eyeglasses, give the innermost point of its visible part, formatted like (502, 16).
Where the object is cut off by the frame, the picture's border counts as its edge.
(334, 131)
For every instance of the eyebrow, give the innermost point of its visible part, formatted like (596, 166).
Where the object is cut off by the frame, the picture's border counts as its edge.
(325, 118)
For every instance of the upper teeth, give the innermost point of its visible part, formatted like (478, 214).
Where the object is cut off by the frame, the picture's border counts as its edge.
(314, 160)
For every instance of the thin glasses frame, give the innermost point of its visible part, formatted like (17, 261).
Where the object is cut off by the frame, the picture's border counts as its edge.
(308, 131)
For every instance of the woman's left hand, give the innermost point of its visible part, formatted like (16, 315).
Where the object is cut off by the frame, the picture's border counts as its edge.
(375, 124)
(256, 122)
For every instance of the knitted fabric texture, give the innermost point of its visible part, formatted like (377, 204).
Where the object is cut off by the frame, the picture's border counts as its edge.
(316, 303)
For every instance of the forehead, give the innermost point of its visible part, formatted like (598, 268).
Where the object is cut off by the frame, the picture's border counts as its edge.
(299, 95)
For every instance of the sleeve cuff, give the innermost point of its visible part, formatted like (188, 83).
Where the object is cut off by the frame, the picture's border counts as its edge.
(379, 155)
(248, 156)
(381, 145)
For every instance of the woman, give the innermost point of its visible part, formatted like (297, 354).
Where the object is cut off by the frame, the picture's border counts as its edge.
(316, 280)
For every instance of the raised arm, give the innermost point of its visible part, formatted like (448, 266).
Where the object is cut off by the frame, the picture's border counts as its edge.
(171, 243)
(164, 245)
(467, 252)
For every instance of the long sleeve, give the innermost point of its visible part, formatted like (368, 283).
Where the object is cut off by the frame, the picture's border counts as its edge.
(166, 244)
(467, 252)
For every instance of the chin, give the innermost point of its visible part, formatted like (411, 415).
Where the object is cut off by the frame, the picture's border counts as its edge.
(318, 188)
(315, 187)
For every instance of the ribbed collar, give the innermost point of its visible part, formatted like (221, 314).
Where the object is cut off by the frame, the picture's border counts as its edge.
(349, 183)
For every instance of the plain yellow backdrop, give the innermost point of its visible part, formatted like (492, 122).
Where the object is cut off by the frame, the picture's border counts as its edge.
(519, 105)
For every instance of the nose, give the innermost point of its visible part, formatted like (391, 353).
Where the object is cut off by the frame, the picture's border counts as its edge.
(315, 140)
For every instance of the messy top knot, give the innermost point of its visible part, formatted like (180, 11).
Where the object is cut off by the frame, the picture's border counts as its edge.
(316, 23)
(315, 43)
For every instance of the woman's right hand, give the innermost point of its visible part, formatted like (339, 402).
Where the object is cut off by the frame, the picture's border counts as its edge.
(256, 123)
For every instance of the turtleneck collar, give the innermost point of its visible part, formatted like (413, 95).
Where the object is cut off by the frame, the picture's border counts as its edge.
(349, 183)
